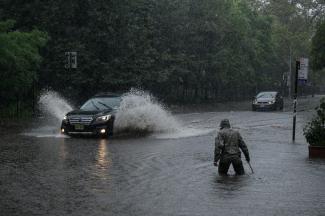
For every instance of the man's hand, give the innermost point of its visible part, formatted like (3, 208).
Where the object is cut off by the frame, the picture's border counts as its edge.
(215, 164)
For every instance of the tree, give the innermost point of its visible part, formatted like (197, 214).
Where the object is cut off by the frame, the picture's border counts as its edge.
(318, 48)
(19, 60)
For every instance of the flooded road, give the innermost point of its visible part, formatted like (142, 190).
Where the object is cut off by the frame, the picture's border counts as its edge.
(163, 174)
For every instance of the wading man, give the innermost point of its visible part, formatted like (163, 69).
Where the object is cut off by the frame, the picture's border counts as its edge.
(227, 149)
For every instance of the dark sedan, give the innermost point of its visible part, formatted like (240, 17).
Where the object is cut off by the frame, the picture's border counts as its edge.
(270, 100)
(95, 117)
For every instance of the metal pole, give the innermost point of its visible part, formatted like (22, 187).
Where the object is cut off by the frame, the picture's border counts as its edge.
(295, 102)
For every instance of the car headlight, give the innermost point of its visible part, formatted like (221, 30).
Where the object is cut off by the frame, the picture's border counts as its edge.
(272, 102)
(103, 118)
(254, 101)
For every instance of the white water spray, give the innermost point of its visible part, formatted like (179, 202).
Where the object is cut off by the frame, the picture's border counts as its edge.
(53, 108)
(140, 112)
(51, 103)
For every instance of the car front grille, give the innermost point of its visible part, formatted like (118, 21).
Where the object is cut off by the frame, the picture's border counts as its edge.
(84, 120)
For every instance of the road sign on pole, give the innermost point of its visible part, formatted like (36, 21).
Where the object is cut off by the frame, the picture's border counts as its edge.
(70, 60)
(73, 59)
(303, 69)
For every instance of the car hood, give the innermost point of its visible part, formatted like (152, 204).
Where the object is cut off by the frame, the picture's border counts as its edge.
(92, 113)
(264, 99)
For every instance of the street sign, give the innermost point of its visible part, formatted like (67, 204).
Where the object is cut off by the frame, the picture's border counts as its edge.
(303, 69)
(70, 60)
(73, 59)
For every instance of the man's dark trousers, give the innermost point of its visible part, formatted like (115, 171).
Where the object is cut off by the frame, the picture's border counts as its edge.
(236, 162)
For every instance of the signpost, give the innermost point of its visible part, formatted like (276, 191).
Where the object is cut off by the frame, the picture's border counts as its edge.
(301, 76)
(303, 70)
(71, 60)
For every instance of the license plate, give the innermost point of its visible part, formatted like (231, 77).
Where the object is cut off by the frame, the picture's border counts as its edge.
(262, 105)
(79, 127)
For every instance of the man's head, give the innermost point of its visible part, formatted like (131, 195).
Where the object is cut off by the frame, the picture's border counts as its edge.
(224, 124)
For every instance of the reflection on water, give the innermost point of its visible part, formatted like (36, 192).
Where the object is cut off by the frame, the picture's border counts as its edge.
(102, 162)
(62, 149)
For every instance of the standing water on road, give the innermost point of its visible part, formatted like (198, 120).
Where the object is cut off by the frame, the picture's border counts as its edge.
(148, 176)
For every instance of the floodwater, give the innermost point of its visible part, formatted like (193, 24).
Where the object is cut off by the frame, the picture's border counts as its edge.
(43, 173)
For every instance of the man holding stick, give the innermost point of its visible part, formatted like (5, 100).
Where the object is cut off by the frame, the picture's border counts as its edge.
(227, 149)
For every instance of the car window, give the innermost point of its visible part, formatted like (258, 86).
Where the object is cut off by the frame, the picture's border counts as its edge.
(266, 95)
(101, 103)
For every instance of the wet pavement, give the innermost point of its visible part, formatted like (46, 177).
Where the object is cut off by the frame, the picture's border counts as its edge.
(163, 175)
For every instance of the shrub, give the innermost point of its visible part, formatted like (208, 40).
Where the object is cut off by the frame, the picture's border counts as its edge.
(314, 131)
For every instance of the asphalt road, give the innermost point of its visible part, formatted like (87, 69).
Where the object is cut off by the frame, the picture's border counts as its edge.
(43, 173)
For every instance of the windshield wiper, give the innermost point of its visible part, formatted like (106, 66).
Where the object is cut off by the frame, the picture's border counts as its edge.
(108, 107)
(92, 102)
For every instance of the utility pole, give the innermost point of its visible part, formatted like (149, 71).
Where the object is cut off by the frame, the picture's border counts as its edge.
(295, 101)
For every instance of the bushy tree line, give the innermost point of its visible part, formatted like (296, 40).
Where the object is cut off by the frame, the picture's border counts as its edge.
(181, 50)
(19, 61)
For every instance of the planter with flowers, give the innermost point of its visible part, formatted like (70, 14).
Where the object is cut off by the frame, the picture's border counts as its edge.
(314, 132)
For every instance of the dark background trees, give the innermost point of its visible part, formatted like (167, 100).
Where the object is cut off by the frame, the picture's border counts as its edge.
(19, 62)
(180, 50)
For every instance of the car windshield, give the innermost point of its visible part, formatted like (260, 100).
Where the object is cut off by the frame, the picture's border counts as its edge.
(266, 95)
(101, 103)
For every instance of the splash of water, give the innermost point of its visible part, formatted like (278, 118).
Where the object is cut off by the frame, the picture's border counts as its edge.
(138, 113)
(141, 112)
(52, 104)
(53, 108)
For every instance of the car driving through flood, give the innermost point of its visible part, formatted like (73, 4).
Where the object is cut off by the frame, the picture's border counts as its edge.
(95, 117)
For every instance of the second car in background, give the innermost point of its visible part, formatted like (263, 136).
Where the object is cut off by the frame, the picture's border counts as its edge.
(270, 100)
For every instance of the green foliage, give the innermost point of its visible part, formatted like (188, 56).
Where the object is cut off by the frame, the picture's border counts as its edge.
(314, 131)
(19, 56)
(19, 61)
(181, 50)
(318, 48)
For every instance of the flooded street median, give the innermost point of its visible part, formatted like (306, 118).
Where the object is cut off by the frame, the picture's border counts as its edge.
(162, 173)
